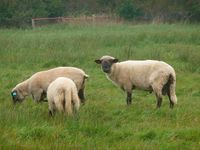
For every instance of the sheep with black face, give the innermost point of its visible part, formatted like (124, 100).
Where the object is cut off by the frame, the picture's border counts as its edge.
(149, 75)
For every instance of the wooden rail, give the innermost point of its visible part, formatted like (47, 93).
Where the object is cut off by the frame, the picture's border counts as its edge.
(74, 20)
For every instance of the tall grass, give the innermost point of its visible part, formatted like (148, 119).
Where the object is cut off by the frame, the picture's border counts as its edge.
(104, 122)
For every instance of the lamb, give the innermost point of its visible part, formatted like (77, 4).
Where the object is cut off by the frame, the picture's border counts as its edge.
(62, 96)
(38, 83)
(149, 75)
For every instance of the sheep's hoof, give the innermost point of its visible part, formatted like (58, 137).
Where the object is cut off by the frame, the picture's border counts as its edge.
(50, 113)
(157, 107)
(128, 103)
(171, 105)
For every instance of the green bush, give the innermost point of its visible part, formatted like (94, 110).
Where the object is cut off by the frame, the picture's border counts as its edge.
(18, 13)
(128, 10)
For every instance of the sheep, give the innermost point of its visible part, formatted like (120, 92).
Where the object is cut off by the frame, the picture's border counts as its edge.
(62, 96)
(149, 75)
(38, 83)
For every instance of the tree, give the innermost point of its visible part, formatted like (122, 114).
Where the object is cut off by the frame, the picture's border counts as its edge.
(128, 10)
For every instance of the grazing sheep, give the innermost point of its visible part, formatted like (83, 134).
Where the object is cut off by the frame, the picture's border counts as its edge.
(149, 75)
(62, 96)
(38, 83)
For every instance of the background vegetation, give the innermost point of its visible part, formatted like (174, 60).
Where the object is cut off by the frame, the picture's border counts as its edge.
(19, 12)
(104, 122)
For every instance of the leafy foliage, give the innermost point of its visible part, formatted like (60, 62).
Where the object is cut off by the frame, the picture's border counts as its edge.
(19, 12)
(128, 11)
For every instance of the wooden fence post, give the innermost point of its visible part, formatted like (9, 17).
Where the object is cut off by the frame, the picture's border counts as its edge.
(33, 23)
(93, 19)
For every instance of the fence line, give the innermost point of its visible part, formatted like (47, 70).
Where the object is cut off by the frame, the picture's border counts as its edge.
(74, 20)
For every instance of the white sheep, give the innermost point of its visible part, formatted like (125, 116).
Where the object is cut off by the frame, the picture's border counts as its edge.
(38, 83)
(62, 96)
(148, 75)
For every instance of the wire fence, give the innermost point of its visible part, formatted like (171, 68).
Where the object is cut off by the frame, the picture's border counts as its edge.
(37, 22)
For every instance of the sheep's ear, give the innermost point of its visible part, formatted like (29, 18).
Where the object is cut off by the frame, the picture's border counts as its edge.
(98, 61)
(115, 60)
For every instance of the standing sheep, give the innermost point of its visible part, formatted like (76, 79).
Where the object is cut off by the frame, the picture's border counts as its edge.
(38, 83)
(62, 96)
(148, 75)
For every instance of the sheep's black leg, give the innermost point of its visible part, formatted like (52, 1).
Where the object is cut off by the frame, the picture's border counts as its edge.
(43, 96)
(171, 103)
(81, 95)
(50, 113)
(159, 102)
(129, 98)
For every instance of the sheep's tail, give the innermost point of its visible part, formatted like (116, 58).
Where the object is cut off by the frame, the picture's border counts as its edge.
(68, 103)
(172, 86)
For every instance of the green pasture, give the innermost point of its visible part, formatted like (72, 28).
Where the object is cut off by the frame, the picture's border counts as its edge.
(104, 122)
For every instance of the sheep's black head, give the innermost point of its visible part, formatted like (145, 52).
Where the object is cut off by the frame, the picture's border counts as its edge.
(106, 63)
(16, 96)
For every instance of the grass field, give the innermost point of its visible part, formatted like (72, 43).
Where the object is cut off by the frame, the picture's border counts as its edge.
(104, 122)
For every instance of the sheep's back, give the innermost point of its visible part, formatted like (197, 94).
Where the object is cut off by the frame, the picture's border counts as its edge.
(59, 87)
(44, 78)
(139, 72)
